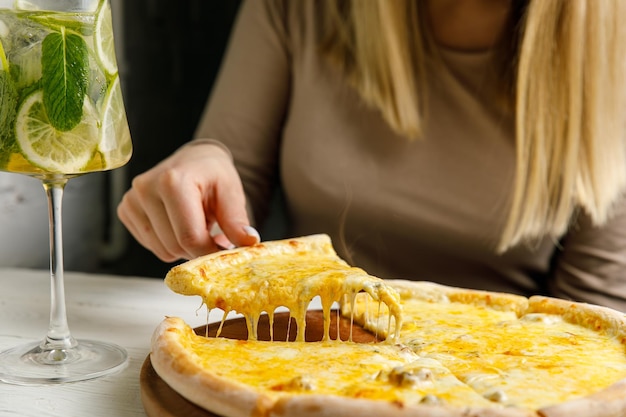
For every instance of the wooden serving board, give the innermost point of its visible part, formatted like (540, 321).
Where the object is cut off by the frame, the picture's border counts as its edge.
(159, 400)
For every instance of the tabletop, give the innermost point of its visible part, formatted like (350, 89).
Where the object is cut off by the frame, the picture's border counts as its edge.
(121, 310)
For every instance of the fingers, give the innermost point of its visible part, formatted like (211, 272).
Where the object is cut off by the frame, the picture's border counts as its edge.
(223, 242)
(170, 209)
(171, 233)
(232, 217)
(252, 235)
(180, 221)
(220, 238)
(138, 224)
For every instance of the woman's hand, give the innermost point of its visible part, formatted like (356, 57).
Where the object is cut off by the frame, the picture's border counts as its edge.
(173, 208)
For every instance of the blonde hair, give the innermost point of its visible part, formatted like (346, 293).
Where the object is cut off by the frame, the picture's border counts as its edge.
(563, 73)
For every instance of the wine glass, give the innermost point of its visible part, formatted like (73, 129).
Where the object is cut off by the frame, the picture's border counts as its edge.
(61, 115)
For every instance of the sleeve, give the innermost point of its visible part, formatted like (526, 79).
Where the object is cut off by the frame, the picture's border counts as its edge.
(247, 106)
(591, 265)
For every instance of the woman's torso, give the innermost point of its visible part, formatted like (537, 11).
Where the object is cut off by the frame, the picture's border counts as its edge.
(429, 209)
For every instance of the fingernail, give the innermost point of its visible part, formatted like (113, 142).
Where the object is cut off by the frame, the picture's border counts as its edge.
(251, 231)
(227, 247)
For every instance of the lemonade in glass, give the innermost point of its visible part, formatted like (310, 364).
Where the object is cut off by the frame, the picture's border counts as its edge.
(61, 115)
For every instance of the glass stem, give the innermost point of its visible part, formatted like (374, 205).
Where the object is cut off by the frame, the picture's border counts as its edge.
(58, 336)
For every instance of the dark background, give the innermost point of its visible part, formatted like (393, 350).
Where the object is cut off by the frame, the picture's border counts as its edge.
(171, 52)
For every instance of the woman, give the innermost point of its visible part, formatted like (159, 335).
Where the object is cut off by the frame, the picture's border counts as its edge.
(472, 143)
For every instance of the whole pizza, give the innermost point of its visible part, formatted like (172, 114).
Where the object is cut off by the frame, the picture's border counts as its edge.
(435, 351)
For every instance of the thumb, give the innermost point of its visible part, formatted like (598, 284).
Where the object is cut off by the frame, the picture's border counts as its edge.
(251, 236)
(232, 219)
(231, 215)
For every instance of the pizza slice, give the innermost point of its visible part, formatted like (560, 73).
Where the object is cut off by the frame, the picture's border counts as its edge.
(285, 273)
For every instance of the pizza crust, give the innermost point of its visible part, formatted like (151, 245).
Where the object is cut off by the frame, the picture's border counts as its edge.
(328, 406)
(609, 402)
(179, 368)
(430, 291)
(181, 278)
(285, 273)
(601, 319)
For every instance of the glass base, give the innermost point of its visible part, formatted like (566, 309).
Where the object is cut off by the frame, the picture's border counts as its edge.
(32, 365)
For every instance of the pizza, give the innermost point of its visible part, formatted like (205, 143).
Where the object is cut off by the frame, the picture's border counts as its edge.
(288, 273)
(435, 351)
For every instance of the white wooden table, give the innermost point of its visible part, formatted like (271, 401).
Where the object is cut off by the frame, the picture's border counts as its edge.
(122, 310)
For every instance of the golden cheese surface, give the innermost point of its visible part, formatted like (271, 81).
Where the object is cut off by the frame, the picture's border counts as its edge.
(270, 275)
(449, 353)
(445, 346)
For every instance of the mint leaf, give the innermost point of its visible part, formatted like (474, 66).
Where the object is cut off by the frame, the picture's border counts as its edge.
(8, 110)
(64, 66)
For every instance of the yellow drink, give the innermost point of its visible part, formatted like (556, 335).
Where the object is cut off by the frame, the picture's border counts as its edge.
(61, 106)
(61, 115)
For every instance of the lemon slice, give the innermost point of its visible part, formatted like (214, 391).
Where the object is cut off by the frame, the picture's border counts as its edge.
(115, 144)
(50, 149)
(103, 38)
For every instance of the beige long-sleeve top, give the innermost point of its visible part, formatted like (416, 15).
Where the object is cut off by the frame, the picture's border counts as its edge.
(431, 209)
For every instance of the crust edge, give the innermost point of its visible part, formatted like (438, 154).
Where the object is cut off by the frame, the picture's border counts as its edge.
(178, 369)
(209, 392)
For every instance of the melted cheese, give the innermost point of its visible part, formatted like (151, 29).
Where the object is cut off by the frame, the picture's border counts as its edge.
(357, 370)
(453, 354)
(530, 361)
(277, 274)
(460, 349)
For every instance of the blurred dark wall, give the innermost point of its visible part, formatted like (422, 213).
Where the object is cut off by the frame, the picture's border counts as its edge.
(171, 52)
